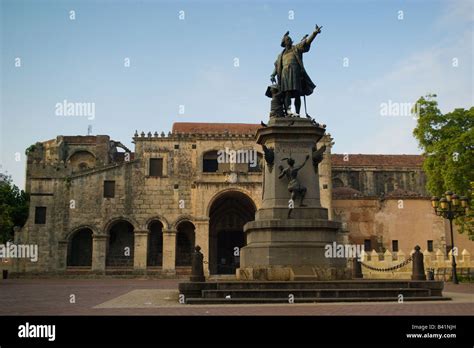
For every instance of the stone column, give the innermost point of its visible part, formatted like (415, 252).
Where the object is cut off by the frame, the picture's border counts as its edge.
(202, 239)
(169, 251)
(62, 254)
(99, 251)
(325, 175)
(141, 248)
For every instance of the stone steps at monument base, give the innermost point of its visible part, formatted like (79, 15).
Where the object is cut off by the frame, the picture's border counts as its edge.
(345, 284)
(316, 293)
(203, 301)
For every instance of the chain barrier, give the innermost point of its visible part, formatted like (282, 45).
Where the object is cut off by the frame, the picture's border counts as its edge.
(389, 269)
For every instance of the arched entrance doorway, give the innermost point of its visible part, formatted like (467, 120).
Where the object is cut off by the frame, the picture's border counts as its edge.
(184, 243)
(155, 244)
(80, 249)
(228, 215)
(121, 245)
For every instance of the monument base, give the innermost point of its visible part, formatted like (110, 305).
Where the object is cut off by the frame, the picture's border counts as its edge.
(292, 273)
(283, 250)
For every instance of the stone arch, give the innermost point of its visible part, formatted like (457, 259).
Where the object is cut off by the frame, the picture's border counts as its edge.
(82, 160)
(185, 241)
(182, 218)
(112, 221)
(71, 232)
(79, 247)
(121, 243)
(155, 228)
(228, 212)
(230, 189)
(159, 218)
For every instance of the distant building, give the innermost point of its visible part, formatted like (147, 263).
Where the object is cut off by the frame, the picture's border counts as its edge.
(97, 206)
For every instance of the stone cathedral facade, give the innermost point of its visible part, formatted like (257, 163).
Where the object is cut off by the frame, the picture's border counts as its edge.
(98, 207)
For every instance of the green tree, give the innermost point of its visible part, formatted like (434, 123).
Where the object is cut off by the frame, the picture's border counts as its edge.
(13, 207)
(447, 141)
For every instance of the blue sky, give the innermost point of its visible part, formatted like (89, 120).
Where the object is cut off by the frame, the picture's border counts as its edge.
(190, 62)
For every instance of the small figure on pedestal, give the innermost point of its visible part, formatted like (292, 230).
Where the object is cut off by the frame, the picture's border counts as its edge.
(296, 189)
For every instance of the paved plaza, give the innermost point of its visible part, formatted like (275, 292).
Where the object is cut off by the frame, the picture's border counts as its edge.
(160, 297)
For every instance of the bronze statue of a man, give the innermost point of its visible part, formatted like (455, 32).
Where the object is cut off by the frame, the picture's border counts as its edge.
(293, 80)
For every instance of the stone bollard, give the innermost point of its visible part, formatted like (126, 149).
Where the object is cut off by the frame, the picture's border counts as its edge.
(197, 269)
(356, 269)
(418, 272)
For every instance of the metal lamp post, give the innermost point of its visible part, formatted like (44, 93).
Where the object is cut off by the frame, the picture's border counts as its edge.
(450, 207)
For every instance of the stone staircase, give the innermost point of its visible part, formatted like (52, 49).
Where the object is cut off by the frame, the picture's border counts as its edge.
(237, 292)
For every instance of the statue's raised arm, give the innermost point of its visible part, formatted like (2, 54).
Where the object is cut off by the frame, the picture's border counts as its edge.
(307, 42)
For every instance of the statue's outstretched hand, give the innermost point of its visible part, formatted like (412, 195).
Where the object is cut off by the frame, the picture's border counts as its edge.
(318, 29)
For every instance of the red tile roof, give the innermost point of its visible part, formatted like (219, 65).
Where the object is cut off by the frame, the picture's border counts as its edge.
(377, 160)
(196, 127)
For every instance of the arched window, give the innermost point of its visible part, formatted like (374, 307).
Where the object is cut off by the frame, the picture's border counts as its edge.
(185, 240)
(155, 244)
(80, 249)
(121, 245)
(82, 160)
(227, 216)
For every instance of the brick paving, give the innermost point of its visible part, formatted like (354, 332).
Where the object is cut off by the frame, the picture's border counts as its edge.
(52, 297)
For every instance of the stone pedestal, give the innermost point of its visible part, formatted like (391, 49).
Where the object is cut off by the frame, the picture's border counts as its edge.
(280, 247)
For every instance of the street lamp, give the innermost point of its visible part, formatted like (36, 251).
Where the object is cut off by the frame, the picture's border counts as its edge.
(450, 207)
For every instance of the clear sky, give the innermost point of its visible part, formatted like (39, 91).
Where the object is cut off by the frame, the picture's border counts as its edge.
(391, 55)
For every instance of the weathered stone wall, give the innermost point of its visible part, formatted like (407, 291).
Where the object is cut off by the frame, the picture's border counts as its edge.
(411, 221)
(75, 200)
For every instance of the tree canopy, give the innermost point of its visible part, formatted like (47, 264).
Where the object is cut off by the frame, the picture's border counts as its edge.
(447, 141)
(13, 208)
